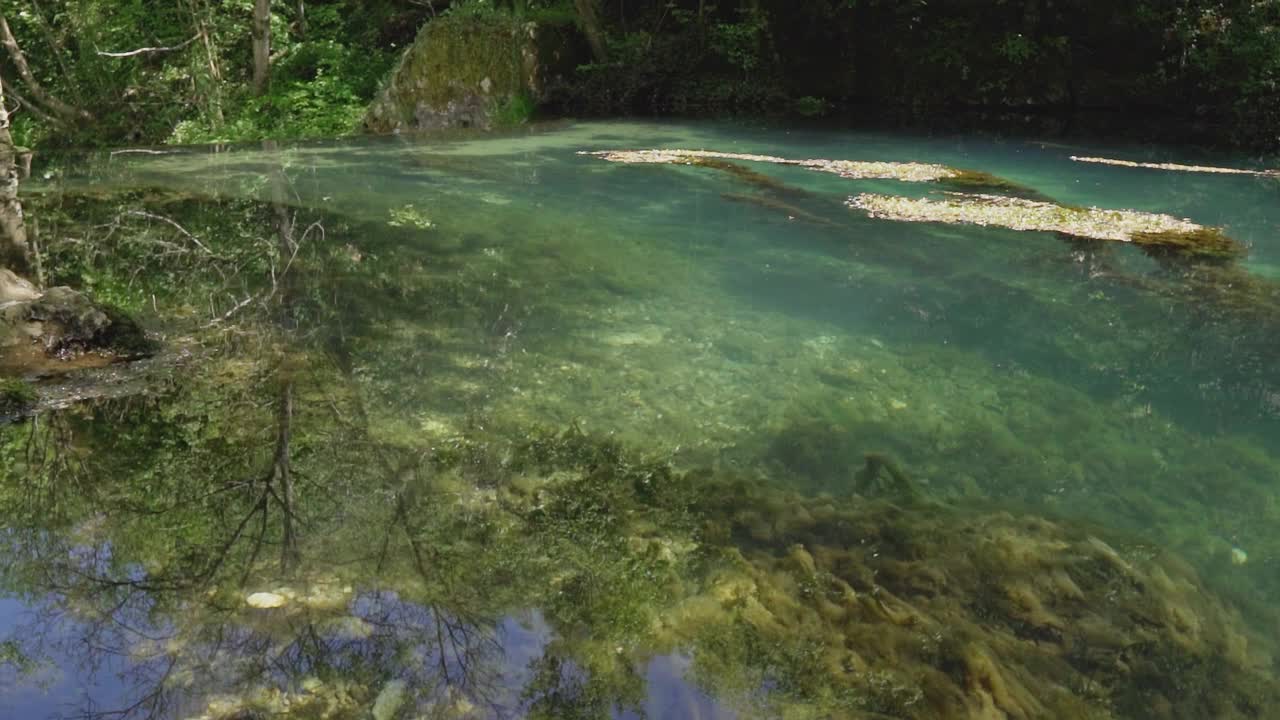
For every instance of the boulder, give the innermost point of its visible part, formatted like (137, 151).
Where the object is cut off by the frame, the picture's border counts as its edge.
(15, 289)
(64, 322)
(472, 71)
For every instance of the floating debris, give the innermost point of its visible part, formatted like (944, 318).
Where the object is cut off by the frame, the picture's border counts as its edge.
(1176, 167)
(1131, 226)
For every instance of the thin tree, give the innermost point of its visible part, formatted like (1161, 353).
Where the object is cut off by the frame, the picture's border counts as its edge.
(63, 111)
(261, 46)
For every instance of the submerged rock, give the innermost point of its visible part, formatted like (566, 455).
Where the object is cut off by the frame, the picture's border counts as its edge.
(265, 600)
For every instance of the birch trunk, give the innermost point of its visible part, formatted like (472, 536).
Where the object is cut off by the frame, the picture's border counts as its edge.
(15, 252)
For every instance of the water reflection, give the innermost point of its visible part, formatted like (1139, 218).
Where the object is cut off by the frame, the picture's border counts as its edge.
(491, 451)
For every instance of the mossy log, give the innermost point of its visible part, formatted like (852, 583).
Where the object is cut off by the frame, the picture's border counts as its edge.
(1131, 226)
(849, 169)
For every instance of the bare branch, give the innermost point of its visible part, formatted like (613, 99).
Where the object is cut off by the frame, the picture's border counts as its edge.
(148, 50)
(142, 151)
(179, 228)
(227, 315)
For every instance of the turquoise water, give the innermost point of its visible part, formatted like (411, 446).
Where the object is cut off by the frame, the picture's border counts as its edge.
(557, 434)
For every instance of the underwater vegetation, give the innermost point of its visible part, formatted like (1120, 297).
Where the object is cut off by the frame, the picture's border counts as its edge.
(789, 605)
(857, 606)
(1131, 226)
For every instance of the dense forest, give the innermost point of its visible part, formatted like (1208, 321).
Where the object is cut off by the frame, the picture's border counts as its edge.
(98, 72)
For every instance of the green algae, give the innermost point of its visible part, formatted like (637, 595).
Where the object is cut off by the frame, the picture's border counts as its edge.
(779, 206)
(878, 465)
(984, 182)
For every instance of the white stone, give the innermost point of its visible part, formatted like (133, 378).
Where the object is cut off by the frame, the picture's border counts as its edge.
(265, 600)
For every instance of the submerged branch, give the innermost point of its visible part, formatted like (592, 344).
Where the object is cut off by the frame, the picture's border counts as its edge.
(1176, 167)
(176, 226)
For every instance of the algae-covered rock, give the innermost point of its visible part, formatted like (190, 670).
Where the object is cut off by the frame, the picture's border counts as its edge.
(467, 71)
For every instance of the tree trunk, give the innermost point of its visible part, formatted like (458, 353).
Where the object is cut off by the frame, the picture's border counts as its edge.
(63, 111)
(15, 252)
(302, 20)
(261, 46)
(589, 21)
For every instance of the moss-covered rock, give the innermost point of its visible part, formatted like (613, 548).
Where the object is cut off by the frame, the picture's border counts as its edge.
(64, 323)
(470, 71)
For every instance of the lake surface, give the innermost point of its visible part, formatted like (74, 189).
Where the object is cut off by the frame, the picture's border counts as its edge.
(469, 427)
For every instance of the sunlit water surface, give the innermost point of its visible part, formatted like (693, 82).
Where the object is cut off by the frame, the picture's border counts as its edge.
(442, 300)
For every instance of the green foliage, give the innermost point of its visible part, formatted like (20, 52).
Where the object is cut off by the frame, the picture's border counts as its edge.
(1213, 63)
(680, 61)
(15, 396)
(197, 89)
(810, 106)
(472, 8)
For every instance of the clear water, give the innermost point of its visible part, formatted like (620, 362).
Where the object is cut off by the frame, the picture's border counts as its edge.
(449, 305)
